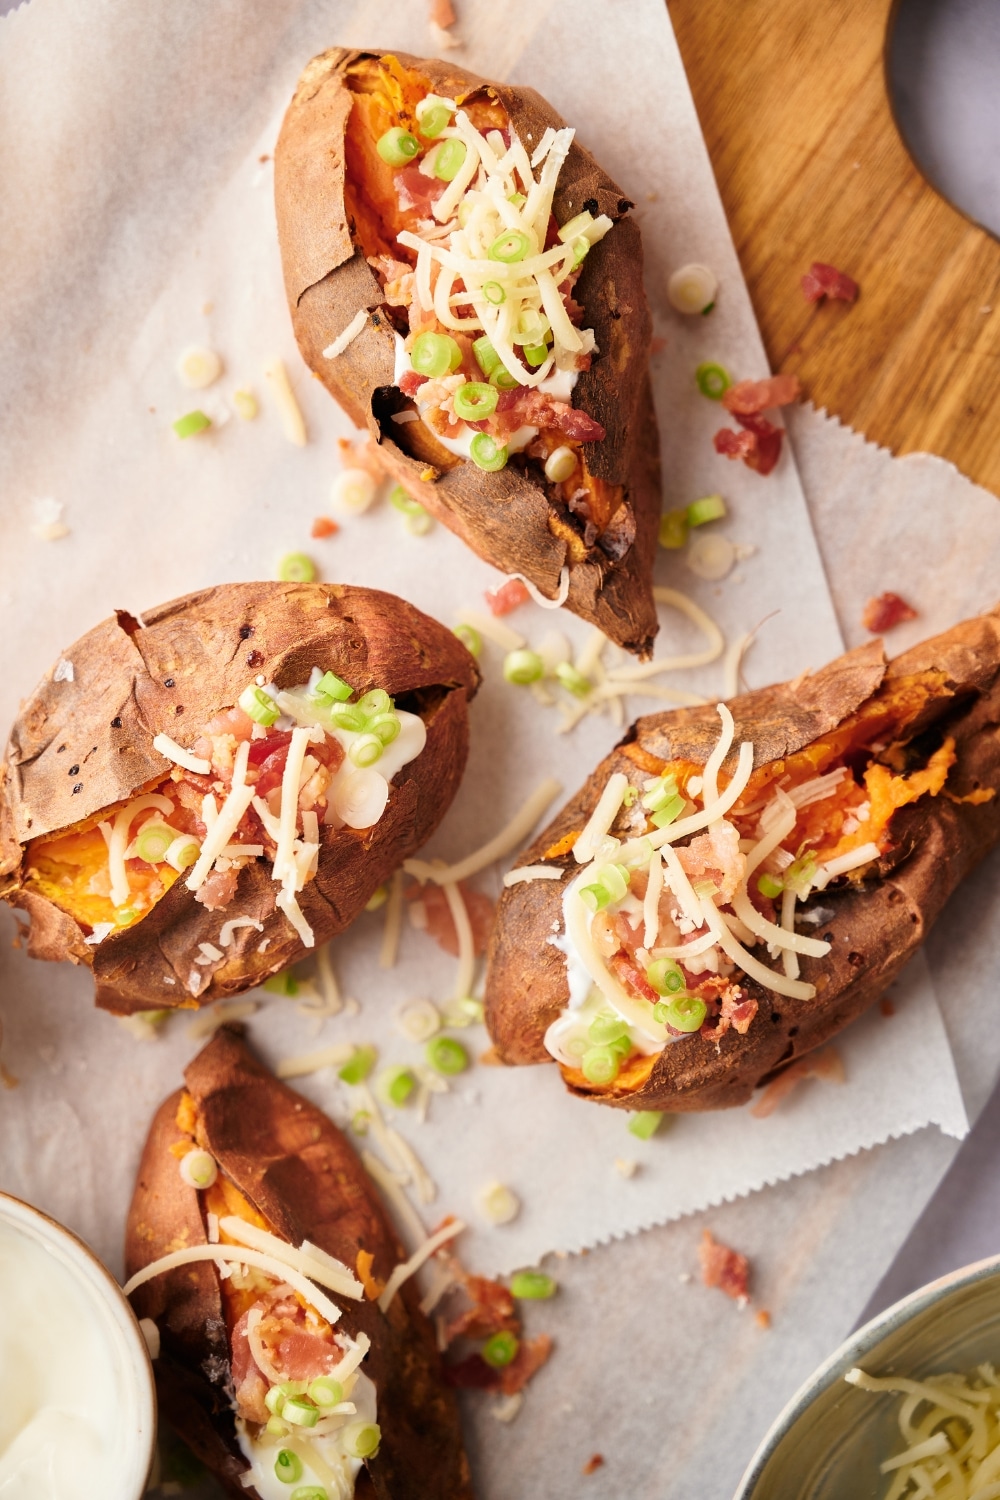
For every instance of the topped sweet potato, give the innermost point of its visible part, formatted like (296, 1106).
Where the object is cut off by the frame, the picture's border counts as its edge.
(467, 282)
(189, 801)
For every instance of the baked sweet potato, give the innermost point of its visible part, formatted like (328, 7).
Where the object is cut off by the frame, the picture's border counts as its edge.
(355, 167)
(284, 1168)
(872, 794)
(125, 884)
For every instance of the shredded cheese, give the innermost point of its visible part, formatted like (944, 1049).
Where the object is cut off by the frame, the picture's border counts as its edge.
(403, 1272)
(406, 1215)
(234, 923)
(260, 1355)
(225, 1255)
(561, 595)
(286, 902)
(350, 333)
(493, 629)
(718, 809)
(637, 671)
(311, 1262)
(292, 420)
(288, 816)
(532, 872)
(651, 901)
(119, 842)
(466, 946)
(170, 750)
(502, 843)
(850, 861)
(220, 833)
(781, 984)
(636, 1012)
(599, 823)
(393, 928)
(733, 663)
(312, 1062)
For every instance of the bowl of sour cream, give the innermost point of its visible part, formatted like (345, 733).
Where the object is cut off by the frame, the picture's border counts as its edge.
(78, 1407)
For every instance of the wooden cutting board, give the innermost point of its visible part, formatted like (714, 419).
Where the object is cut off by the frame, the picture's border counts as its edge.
(794, 104)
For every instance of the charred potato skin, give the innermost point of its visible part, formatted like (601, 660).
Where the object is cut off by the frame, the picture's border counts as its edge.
(187, 661)
(299, 1172)
(878, 924)
(505, 517)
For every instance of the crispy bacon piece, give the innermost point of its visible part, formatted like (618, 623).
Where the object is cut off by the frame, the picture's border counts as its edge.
(441, 13)
(625, 970)
(528, 1360)
(715, 856)
(322, 527)
(734, 1008)
(735, 444)
(885, 611)
(826, 281)
(217, 889)
(410, 382)
(417, 193)
(727, 1269)
(507, 597)
(491, 1310)
(441, 923)
(759, 446)
(826, 1063)
(594, 1462)
(748, 398)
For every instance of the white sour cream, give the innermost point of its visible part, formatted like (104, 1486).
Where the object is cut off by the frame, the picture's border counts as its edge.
(325, 1461)
(65, 1428)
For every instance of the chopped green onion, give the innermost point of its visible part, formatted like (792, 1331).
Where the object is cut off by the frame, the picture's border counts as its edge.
(486, 452)
(668, 812)
(385, 726)
(606, 1028)
(153, 842)
(474, 401)
(706, 310)
(361, 1439)
(645, 1123)
(523, 666)
(310, 1492)
(560, 464)
(397, 146)
(578, 225)
(359, 1121)
(581, 249)
(600, 1065)
(800, 873)
(501, 1348)
(294, 1387)
(395, 1085)
(447, 1056)
(487, 357)
(432, 120)
(288, 1466)
(376, 701)
(198, 1168)
(518, 200)
(358, 1065)
(464, 1012)
(532, 1286)
(277, 1428)
(349, 716)
(673, 529)
(326, 1391)
(712, 380)
(509, 247)
(366, 750)
(418, 522)
(531, 327)
(660, 793)
(664, 976)
(630, 796)
(275, 1400)
(300, 1412)
(434, 355)
(615, 880)
(770, 886)
(449, 158)
(710, 508)
(296, 567)
(284, 983)
(400, 500)
(494, 293)
(260, 706)
(504, 380)
(470, 638)
(536, 354)
(183, 852)
(124, 915)
(332, 687)
(597, 897)
(683, 1013)
(572, 680)
(190, 423)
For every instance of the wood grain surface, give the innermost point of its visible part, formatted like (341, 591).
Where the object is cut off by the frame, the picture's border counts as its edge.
(793, 100)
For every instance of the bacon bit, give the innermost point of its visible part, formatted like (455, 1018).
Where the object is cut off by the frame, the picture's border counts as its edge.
(886, 1006)
(748, 398)
(827, 1063)
(441, 13)
(763, 1318)
(886, 611)
(629, 974)
(727, 1269)
(323, 527)
(735, 444)
(529, 1359)
(440, 923)
(373, 1287)
(472, 1374)
(410, 382)
(715, 856)
(735, 1009)
(509, 596)
(826, 281)
(491, 1311)
(594, 1462)
(217, 890)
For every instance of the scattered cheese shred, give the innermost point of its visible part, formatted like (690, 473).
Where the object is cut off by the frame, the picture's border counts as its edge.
(601, 819)
(225, 1255)
(312, 1062)
(393, 923)
(314, 1263)
(403, 1272)
(292, 420)
(407, 1219)
(220, 833)
(466, 945)
(350, 333)
(170, 750)
(502, 843)
(561, 595)
(532, 872)
(493, 629)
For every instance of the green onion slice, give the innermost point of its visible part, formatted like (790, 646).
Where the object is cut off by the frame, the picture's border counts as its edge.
(326, 1391)
(664, 976)
(474, 401)
(494, 293)
(288, 1466)
(668, 812)
(709, 508)
(183, 852)
(600, 1065)
(284, 983)
(522, 667)
(375, 702)
(486, 453)
(296, 567)
(153, 842)
(673, 529)
(434, 355)
(645, 1123)
(275, 1400)
(683, 1013)
(400, 500)
(532, 1286)
(349, 716)
(260, 706)
(536, 354)
(470, 638)
(487, 357)
(447, 1056)
(449, 158)
(385, 726)
(300, 1412)
(501, 1349)
(332, 688)
(510, 247)
(366, 750)
(396, 1085)
(770, 886)
(192, 422)
(432, 120)
(310, 1492)
(572, 680)
(503, 379)
(606, 1028)
(397, 146)
(357, 1067)
(361, 1439)
(712, 380)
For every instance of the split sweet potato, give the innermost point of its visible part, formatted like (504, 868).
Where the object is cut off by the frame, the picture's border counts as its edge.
(926, 721)
(338, 217)
(83, 746)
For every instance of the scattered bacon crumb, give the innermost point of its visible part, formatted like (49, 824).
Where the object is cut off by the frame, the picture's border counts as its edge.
(323, 526)
(759, 444)
(759, 449)
(507, 597)
(594, 1462)
(826, 1063)
(885, 611)
(266, 157)
(886, 1006)
(441, 13)
(727, 1269)
(826, 281)
(528, 1360)
(763, 1318)
(657, 345)
(440, 923)
(491, 1311)
(748, 398)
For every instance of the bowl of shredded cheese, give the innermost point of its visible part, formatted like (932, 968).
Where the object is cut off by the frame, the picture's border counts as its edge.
(908, 1407)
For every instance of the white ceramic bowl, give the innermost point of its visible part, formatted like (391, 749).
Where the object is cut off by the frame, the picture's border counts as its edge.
(828, 1442)
(114, 1326)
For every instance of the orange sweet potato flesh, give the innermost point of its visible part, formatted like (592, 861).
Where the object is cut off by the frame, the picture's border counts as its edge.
(188, 661)
(948, 687)
(295, 1170)
(333, 197)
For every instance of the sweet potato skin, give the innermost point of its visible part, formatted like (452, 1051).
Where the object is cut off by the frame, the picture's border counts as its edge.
(300, 1173)
(878, 924)
(188, 660)
(506, 517)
